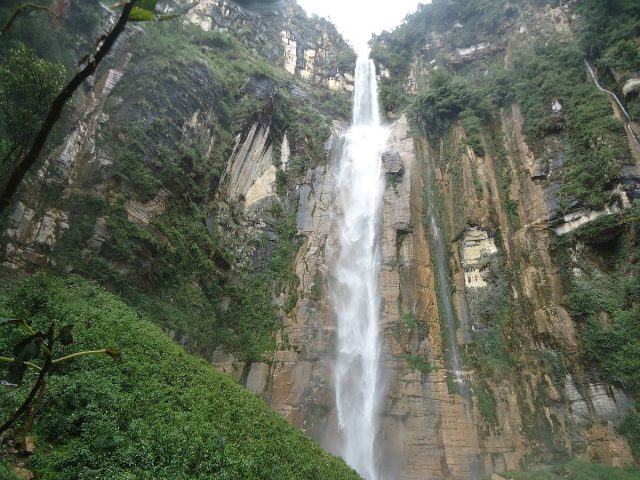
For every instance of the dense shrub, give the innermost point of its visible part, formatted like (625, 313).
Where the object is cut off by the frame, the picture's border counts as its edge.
(159, 413)
(593, 139)
(576, 470)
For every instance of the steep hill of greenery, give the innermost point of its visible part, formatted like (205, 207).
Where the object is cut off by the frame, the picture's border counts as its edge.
(159, 413)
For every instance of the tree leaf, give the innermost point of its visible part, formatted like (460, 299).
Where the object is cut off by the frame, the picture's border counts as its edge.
(66, 335)
(25, 350)
(141, 15)
(29, 348)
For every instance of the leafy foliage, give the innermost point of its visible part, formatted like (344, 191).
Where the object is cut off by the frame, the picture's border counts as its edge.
(177, 270)
(450, 98)
(58, 40)
(576, 470)
(486, 403)
(630, 427)
(159, 413)
(5, 472)
(28, 84)
(605, 301)
(609, 34)
(601, 230)
(594, 140)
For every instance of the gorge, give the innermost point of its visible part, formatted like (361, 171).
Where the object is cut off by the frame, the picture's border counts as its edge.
(422, 259)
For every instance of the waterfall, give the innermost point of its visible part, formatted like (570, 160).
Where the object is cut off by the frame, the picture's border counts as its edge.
(627, 118)
(354, 289)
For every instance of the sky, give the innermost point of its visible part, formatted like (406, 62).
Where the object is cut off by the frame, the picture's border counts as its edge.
(358, 19)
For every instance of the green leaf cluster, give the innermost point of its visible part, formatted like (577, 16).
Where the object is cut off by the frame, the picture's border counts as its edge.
(448, 99)
(576, 470)
(28, 85)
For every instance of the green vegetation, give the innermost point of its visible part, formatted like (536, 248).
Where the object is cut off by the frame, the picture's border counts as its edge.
(576, 470)
(395, 50)
(417, 362)
(554, 363)
(609, 35)
(630, 427)
(605, 301)
(158, 413)
(491, 308)
(593, 139)
(38, 350)
(486, 403)
(5, 472)
(601, 230)
(540, 72)
(60, 40)
(28, 84)
(447, 99)
(191, 269)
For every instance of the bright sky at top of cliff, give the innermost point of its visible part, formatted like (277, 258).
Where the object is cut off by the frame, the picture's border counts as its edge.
(357, 20)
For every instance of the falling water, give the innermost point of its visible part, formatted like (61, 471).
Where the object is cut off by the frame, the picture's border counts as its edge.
(354, 291)
(446, 304)
(627, 118)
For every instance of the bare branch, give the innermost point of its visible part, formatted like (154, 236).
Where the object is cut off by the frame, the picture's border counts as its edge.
(23, 8)
(28, 364)
(106, 351)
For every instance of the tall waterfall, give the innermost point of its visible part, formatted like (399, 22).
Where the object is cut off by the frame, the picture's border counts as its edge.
(354, 290)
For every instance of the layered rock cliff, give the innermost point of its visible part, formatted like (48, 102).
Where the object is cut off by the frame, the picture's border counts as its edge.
(176, 183)
(506, 202)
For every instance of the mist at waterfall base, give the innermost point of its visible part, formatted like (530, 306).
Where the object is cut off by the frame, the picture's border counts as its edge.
(354, 288)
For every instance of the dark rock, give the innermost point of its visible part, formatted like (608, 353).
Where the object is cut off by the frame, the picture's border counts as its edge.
(297, 91)
(262, 87)
(392, 163)
(540, 169)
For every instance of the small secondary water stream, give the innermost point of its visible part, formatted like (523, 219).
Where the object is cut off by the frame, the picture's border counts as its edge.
(623, 109)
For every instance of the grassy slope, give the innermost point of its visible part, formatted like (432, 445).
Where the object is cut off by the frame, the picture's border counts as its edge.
(159, 413)
(577, 471)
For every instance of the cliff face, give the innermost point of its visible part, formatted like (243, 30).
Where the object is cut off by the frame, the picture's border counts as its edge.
(176, 183)
(506, 212)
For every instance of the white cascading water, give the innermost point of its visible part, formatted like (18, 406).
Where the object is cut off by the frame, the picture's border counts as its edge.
(354, 290)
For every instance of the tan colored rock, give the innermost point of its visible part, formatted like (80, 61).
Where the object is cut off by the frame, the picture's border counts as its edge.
(142, 214)
(23, 474)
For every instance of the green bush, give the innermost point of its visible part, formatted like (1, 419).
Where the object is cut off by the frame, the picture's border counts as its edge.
(609, 32)
(630, 428)
(486, 403)
(601, 230)
(576, 470)
(159, 413)
(6, 473)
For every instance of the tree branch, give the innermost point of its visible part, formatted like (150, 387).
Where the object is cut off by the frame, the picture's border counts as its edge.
(20, 9)
(106, 351)
(23, 167)
(42, 378)
(28, 364)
